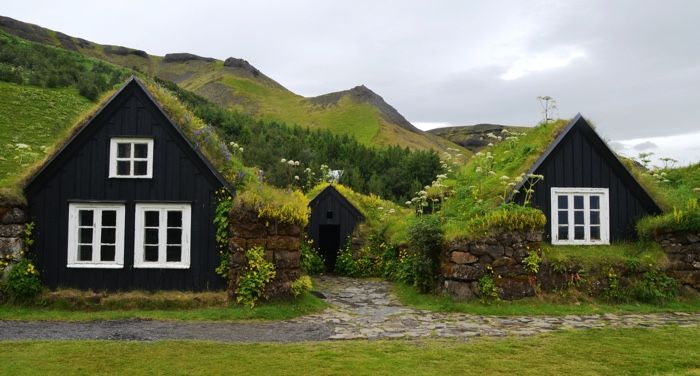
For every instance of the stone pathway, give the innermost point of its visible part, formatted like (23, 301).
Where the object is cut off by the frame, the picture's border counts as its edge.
(367, 309)
(360, 309)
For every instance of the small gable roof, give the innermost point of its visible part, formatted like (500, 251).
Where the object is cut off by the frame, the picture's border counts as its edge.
(131, 83)
(581, 124)
(330, 190)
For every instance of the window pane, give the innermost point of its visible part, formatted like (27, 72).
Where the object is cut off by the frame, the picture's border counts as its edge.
(174, 219)
(329, 214)
(578, 232)
(85, 217)
(578, 202)
(152, 218)
(123, 168)
(85, 235)
(578, 217)
(174, 254)
(123, 150)
(151, 236)
(595, 232)
(563, 232)
(109, 218)
(563, 217)
(140, 168)
(109, 235)
(140, 151)
(563, 202)
(595, 202)
(107, 253)
(174, 236)
(150, 253)
(595, 217)
(85, 253)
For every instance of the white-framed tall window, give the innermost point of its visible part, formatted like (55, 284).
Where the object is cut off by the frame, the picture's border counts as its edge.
(580, 216)
(162, 236)
(131, 158)
(95, 235)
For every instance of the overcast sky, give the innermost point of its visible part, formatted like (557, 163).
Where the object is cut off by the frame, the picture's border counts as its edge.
(631, 67)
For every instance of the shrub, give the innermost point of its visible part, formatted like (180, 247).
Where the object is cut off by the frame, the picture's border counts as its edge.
(255, 277)
(488, 288)
(310, 261)
(425, 243)
(302, 285)
(404, 269)
(655, 286)
(23, 281)
(221, 222)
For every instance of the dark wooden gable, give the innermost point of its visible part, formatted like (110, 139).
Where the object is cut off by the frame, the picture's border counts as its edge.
(79, 173)
(579, 157)
(330, 209)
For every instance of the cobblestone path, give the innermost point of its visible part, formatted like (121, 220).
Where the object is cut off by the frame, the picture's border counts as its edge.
(360, 309)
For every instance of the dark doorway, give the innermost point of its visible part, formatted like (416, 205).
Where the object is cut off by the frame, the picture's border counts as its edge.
(329, 244)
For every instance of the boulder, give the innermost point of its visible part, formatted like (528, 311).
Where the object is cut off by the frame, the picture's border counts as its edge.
(11, 231)
(459, 290)
(463, 258)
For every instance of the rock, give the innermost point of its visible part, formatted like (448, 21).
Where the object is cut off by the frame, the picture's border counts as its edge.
(463, 258)
(123, 51)
(184, 56)
(691, 278)
(493, 250)
(459, 290)
(514, 287)
(12, 216)
(11, 231)
(692, 238)
(10, 246)
(467, 272)
(696, 265)
(233, 62)
(287, 259)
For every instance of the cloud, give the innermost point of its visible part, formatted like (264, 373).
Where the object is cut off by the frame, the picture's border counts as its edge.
(541, 62)
(685, 148)
(645, 146)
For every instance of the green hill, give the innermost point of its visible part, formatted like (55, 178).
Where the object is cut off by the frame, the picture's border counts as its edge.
(236, 84)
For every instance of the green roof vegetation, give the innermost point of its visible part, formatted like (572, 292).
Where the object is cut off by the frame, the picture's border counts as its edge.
(481, 188)
(640, 255)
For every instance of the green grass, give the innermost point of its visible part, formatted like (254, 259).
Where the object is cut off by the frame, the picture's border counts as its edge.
(668, 350)
(552, 305)
(275, 310)
(35, 117)
(643, 254)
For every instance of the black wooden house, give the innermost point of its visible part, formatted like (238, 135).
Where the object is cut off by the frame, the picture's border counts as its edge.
(588, 195)
(127, 203)
(333, 220)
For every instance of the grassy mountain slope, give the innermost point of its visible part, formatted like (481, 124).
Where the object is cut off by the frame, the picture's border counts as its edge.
(236, 84)
(474, 137)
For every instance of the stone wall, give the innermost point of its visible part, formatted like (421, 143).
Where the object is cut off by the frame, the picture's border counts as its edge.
(464, 262)
(12, 221)
(281, 243)
(683, 252)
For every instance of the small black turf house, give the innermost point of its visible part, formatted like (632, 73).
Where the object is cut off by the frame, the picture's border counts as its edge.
(588, 195)
(127, 203)
(333, 219)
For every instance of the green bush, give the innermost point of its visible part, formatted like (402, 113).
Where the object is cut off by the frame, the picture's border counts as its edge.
(425, 244)
(488, 288)
(310, 261)
(302, 285)
(255, 277)
(655, 286)
(23, 281)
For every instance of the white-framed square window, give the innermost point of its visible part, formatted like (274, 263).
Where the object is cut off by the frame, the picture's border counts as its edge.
(95, 235)
(162, 236)
(580, 216)
(131, 158)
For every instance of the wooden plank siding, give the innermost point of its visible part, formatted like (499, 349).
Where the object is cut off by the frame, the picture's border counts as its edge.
(80, 173)
(580, 158)
(345, 214)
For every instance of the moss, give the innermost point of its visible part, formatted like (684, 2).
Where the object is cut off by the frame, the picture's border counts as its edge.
(274, 204)
(636, 255)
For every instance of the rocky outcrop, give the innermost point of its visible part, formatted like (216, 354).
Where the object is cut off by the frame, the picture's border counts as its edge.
(683, 253)
(464, 262)
(241, 64)
(12, 221)
(182, 57)
(281, 243)
(123, 51)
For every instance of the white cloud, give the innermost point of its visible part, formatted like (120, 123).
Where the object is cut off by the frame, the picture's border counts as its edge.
(558, 58)
(685, 148)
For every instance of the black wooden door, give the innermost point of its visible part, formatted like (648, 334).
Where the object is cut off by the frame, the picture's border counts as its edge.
(329, 244)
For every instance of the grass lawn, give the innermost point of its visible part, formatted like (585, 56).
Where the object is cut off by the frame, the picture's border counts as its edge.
(275, 310)
(548, 305)
(669, 350)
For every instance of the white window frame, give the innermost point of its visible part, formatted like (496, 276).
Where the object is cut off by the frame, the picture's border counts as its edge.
(139, 234)
(74, 228)
(604, 195)
(113, 147)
